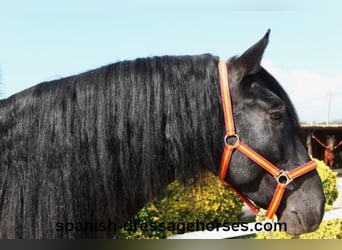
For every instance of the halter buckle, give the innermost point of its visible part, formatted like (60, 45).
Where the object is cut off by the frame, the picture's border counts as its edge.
(283, 178)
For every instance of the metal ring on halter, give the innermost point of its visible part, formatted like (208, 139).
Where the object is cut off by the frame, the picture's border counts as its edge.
(235, 142)
(283, 178)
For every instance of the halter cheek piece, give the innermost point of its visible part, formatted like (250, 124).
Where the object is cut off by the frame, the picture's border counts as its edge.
(282, 177)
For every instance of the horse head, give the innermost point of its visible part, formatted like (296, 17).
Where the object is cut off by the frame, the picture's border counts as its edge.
(266, 121)
(331, 142)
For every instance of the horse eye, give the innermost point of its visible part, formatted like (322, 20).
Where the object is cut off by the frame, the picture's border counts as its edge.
(276, 115)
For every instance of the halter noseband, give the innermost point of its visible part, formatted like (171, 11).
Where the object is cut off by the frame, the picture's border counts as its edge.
(282, 177)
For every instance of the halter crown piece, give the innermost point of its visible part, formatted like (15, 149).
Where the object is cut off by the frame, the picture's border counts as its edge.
(282, 177)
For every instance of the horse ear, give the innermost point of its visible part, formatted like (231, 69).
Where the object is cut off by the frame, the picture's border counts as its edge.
(249, 62)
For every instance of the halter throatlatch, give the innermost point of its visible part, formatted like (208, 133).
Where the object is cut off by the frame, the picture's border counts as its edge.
(282, 177)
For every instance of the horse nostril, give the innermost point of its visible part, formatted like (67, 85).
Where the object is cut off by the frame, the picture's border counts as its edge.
(298, 217)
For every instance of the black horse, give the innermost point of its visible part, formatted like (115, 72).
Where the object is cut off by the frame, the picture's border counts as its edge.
(81, 155)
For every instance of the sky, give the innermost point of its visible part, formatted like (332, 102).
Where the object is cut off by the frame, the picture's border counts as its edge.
(45, 40)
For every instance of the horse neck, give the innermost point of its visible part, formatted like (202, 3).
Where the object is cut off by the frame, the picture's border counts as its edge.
(173, 132)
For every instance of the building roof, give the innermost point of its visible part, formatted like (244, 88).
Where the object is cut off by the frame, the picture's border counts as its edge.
(322, 126)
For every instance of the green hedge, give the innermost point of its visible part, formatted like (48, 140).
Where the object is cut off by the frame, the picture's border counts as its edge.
(199, 204)
(328, 178)
(328, 229)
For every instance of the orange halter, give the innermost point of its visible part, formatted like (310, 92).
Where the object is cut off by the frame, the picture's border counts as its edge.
(282, 177)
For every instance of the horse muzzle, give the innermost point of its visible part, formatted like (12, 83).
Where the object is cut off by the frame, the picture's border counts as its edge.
(304, 208)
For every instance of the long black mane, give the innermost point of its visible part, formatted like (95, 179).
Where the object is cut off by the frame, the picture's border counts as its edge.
(96, 146)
